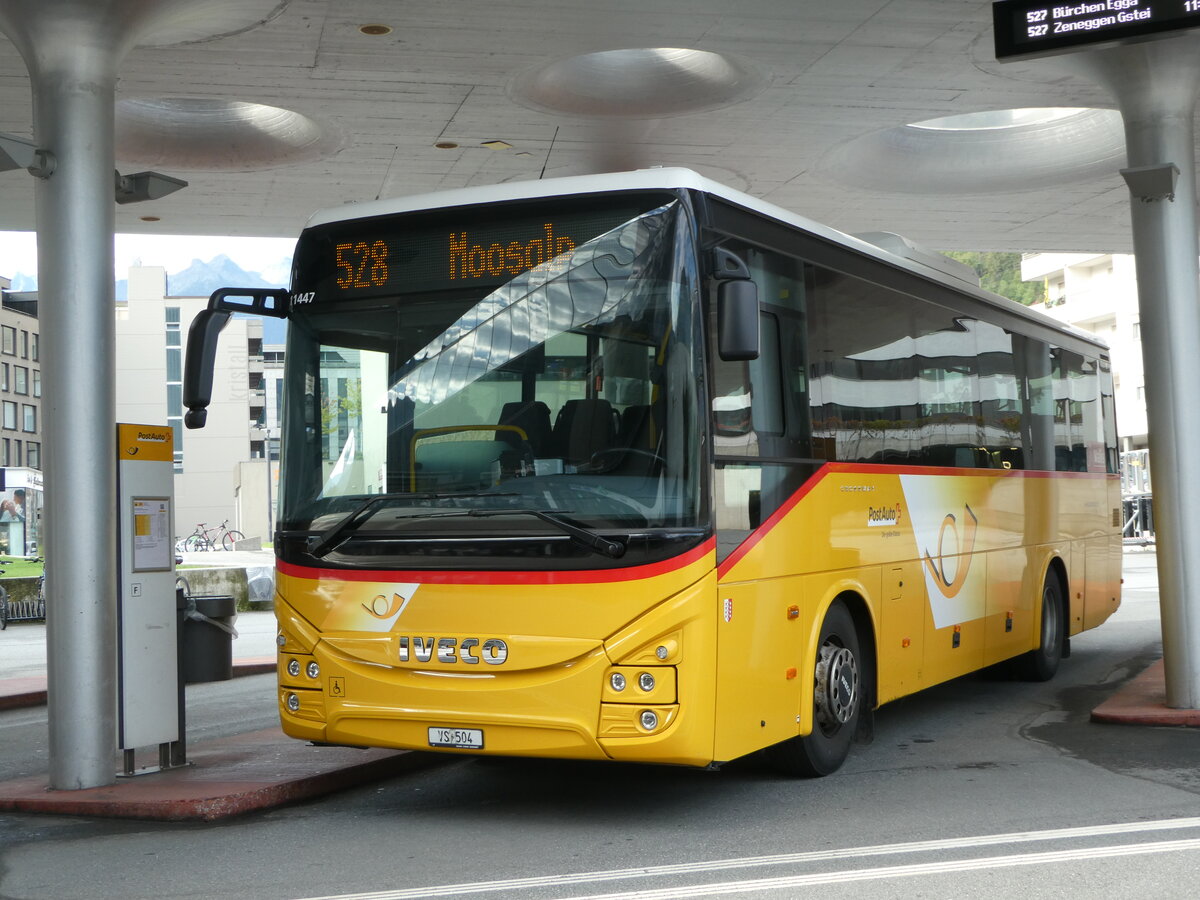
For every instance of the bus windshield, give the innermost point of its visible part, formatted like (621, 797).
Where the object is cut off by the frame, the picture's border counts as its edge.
(444, 414)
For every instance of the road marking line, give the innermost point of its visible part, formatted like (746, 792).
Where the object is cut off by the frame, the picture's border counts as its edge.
(960, 843)
(854, 875)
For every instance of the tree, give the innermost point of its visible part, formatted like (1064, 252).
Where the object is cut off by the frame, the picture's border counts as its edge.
(1000, 273)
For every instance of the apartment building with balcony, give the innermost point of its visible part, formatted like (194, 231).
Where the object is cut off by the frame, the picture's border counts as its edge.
(1097, 292)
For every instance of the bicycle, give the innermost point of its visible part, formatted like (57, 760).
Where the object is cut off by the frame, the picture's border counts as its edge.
(218, 537)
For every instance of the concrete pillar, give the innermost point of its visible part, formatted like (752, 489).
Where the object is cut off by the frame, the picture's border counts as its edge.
(1155, 85)
(72, 49)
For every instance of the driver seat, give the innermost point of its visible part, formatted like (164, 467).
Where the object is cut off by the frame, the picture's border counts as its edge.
(582, 428)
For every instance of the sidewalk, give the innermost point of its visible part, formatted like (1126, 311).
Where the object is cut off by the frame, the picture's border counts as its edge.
(23, 662)
(224, 777)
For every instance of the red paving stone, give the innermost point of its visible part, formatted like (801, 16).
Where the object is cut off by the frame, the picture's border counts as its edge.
(225, 777)
(18, 693)
(1143, 701)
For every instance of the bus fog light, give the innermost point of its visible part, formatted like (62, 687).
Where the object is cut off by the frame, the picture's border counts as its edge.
(617, 681)
(649, 719)
(293, 703)
(313, 670)
(293, 668)
(646, 682)
(662, 652)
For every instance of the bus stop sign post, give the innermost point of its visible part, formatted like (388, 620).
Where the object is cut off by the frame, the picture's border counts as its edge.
(148, 699)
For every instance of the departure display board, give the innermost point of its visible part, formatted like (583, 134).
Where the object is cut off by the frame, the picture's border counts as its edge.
(469, 248)
(1037, 28)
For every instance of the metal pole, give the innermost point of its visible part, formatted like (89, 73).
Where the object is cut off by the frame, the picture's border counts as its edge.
(72, 50)
(270, 502)
(1155, 85)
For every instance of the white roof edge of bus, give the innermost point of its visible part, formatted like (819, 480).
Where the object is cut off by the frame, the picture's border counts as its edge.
(669, 177)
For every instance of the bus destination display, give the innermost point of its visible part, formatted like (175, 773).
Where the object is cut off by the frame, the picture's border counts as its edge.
(388, 257)
(1034, 27)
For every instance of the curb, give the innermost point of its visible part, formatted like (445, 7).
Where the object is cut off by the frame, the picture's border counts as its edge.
(1142, 701)
(23, 693)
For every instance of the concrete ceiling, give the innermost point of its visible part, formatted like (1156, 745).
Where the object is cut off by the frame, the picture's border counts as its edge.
(272, 109)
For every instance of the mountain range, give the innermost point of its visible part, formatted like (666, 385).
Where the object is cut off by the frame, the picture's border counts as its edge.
(202, 278)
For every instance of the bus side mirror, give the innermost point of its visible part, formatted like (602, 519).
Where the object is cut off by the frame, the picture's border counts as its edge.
(202, 341)
(737, 307)
(198, 364)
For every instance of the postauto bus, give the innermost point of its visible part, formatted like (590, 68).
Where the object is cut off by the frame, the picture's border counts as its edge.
(638, 467)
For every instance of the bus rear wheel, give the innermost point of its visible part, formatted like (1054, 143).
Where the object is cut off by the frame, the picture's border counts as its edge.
(1042, 663)
(837, 701)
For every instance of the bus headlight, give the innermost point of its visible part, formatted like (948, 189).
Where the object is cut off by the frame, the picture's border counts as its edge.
(646, 682)
(313, 670)
(617, 681)
(293, 668)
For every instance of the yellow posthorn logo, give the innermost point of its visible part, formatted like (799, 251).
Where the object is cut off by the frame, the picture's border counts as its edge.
(965, 546)
(381, 608)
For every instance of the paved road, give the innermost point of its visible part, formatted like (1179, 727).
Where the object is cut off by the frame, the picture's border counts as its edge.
(977, 788)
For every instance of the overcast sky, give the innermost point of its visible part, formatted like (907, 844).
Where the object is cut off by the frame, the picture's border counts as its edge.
(18, 252)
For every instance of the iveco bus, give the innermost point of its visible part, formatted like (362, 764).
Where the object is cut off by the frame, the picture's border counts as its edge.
(638, 467)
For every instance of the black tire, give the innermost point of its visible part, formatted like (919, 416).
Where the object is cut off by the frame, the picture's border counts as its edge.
(1041, 664)
(231, 538)
(3, 609)
(838, 687)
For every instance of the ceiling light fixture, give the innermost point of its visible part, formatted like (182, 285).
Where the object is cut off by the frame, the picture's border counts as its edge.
(375, 30)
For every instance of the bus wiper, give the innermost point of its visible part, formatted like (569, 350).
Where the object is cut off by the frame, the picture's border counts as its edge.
(591, 540)
(319, 546)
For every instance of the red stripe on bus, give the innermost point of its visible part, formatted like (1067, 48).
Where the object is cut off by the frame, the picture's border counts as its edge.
(586, 576)
(761, 531)
(882, 469)
(836, 468)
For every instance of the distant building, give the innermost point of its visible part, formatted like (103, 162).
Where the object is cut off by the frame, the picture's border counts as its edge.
(20, 423)
(20, 380)
(221, 470)
(1098, 293)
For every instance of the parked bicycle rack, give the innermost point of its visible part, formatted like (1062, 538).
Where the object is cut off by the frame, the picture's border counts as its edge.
(26, 609)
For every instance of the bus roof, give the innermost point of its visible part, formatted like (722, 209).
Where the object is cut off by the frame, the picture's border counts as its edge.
(668, 178)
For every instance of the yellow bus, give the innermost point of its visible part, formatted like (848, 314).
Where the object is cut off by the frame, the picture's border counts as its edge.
(637, 467)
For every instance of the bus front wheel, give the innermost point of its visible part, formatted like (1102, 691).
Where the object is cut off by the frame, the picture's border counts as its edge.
(837, 701)
(1041, 663)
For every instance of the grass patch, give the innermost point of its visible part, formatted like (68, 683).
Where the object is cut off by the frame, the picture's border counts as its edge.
(19, 567)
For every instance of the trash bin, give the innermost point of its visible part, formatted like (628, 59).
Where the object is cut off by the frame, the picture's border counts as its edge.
(207, 639)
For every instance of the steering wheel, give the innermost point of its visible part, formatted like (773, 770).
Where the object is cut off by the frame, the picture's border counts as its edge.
(597, 464)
